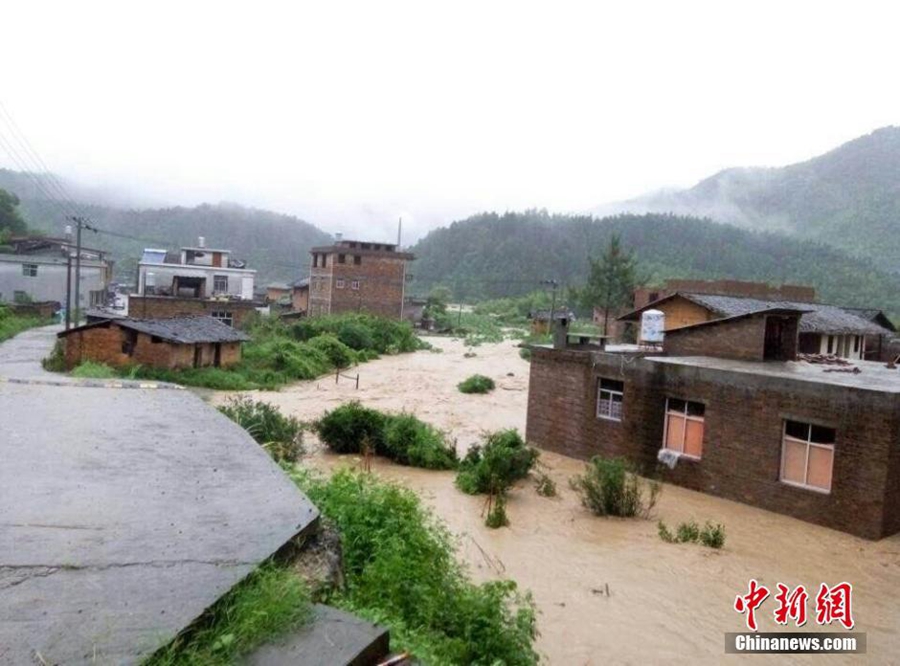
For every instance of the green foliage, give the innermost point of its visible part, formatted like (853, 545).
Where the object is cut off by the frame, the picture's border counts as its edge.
(409, 441)
(495, 465)
(497, 517)
(612, 487)
(337, 353)
(436, 307)
(361, 331)
(56, 362)
(611, 280)
(546, 487)
(711, 536)
(269, 602)
(344, 429)
(494, 256)
(280, 435)
(401, 571)
(11, 325)
(92, 370)
(476, 384)
(400, 437)
(11, 221)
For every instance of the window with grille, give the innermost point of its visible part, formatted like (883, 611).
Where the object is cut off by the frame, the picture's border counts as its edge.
(807, 455)
(223, 316)
(339, 283)
(355, 285)
(220, 284)
(609, 399)
(29, 270)
(684, 427)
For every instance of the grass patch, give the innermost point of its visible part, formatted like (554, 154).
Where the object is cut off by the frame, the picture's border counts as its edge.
(56, 362)
(11, 325)
(280, 435)
(476, 384)
(92, 370)
(710, 535)
(401, 571)
(612, 487)
(269, 602)
(400, 437)
(495, 465)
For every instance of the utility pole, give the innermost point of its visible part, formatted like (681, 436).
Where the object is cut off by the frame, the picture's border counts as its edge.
(68, 288)
(80, 223)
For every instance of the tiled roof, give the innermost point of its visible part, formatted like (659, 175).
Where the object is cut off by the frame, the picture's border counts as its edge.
(183, 330)
(825, 319)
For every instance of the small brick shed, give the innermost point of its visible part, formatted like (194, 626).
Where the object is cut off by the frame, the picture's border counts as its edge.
(176, 343)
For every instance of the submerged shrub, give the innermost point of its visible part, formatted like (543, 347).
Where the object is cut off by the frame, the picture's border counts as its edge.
(409, 441)
(280, 435)
(611, 487)
(343, 429)
(495, 465)
(712, 536)
(497, 517)
(546, 487)
(688, 532)
(401, 571)
(476, 384)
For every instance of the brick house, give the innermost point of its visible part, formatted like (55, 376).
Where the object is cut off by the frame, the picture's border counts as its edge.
(743, 419)
(824, 329)
(233, 312)
(178, 343)
(356, 276)
(300, 295)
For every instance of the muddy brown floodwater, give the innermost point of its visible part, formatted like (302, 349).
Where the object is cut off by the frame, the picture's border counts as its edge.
(609, 591)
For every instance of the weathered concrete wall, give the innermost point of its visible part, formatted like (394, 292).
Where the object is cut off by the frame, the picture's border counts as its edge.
(743, 430)
(741, 339)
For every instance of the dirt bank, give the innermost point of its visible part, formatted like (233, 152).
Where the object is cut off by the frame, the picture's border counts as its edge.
(665, 603)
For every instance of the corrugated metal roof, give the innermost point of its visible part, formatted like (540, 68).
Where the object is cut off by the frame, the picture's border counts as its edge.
(826, 319)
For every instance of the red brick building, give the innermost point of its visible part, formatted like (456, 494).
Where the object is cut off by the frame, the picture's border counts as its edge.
(743, 419)
(232, 312)
(178, 343)
(356, 276)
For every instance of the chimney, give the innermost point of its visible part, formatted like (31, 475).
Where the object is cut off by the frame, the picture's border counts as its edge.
(201, 241)
(560, 328)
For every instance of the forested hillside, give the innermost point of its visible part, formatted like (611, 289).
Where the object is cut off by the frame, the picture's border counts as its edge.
(848, 198)
(492, 255)
(276, 245)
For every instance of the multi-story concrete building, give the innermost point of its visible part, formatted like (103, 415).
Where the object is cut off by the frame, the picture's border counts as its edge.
(36, 271)
(356, 276)
(731, 403)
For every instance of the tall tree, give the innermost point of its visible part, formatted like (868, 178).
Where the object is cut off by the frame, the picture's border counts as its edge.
(611, 281)
(10, 220)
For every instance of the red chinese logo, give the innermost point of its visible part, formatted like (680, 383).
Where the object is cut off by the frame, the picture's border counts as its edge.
(833, 604)
(751, 601)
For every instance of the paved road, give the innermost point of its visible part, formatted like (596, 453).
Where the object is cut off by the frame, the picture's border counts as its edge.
(123, 513)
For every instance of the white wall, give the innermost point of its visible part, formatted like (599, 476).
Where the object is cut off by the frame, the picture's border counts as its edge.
(843, 346)
(164, 274)
(50, 282)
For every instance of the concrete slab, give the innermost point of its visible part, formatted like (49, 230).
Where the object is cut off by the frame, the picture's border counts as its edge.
(334, 638)
(123, 515)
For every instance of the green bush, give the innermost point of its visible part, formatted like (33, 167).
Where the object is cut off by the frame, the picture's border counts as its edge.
(56, 361)
(91, 370)
(497, 464)
(546, 487)
(280, 435)
(11, 325)
(343, 429)
(360, 331)
(476, 384)
(409, 441)
(401, 571)
(269, 602)
(611, 487)
(497, 517)
(712, 536)
(338, 354)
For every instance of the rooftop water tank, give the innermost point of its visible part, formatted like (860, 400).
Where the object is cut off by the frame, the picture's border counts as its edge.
(653, 326)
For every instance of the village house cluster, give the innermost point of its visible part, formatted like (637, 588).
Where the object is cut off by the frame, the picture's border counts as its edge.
(789, 405)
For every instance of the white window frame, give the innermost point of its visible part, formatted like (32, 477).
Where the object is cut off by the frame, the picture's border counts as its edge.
(605, 398)
(354, 285)
(339, 283)
(29, 270)
(223, 316)
(687, 417)
(216, 289)
(809, 444)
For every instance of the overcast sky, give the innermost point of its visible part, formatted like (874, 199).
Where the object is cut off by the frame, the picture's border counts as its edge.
(353, 114)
